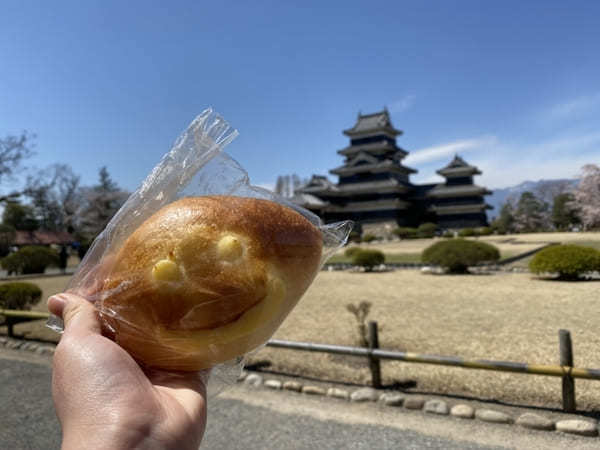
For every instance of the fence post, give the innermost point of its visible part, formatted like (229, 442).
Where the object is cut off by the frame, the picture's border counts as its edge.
(566, 359)
(9, 327)
(374, 362)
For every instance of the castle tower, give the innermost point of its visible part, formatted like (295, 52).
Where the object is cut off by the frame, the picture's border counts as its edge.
(458, 202)
(373, 183)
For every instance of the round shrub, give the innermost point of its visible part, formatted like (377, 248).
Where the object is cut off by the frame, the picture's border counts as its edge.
(426, 230)
(406, 233)
(448, 234)
(354, 236)
(30, 259)
(351, 251)
(368, 258)
(19, 295)
(569, 262)
(484, 231)
(369, 238)
(457, 255)
(467, 232)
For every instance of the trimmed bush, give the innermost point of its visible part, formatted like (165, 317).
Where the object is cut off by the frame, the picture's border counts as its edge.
(457, 255)
(30, 259)
(351, 251)
(369, 238)
(406, 233)
(484, 231)
(569, 262)
(426, 230)
(368, 258)
(354, 236)
(465, 232)
(19, 295)
(448, 234)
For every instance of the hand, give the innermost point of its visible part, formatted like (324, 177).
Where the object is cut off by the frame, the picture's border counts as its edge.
(103, 398)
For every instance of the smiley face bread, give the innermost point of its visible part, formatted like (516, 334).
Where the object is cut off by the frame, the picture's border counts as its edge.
(207, 279)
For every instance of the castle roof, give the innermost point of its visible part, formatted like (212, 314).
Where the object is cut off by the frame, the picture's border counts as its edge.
(371, 124)
(458, 167)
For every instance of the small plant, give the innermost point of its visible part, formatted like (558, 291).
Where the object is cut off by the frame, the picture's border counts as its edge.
(406, 233)
(368, 259)
(426, 230)
(465, 232)
(351, 251)
(457, 255)
(360, 312)
(30, 259)
(369, 238)
(569, 262)
(19, 295)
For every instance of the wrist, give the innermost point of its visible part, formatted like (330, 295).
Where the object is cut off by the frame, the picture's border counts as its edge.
(108, 437)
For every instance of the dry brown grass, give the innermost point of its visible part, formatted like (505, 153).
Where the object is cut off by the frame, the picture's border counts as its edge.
(501, 316)
(509, 244)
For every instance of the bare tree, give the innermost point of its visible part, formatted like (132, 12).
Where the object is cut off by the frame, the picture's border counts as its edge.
(587, 197)
(100, 203)
(13, 150)
(55, 196)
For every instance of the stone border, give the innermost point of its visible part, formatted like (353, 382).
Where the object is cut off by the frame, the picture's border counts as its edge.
(22, 344)
(460, 411)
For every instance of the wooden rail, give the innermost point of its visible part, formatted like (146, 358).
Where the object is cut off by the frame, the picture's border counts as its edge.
(374, 355)
(13, 316)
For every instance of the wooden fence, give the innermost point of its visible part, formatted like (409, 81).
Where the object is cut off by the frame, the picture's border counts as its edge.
(374, 355)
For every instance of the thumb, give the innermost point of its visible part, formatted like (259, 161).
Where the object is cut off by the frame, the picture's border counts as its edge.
(77, 313)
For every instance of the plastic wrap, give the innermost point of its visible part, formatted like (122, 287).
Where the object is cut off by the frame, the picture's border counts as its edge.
(196, 166)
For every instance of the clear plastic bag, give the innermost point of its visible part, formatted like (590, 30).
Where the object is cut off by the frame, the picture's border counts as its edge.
(196, 166)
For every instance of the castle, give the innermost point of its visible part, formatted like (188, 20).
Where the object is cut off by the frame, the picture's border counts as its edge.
(375, 191)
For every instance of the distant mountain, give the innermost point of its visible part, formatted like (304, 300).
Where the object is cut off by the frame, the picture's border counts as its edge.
(543, 189)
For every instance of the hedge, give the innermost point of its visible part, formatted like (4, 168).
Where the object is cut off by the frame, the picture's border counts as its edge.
(19, 295)
(569, 262)
(456, 255)
(368, 258)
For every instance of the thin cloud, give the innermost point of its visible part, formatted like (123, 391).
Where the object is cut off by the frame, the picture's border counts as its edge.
(580, 105)
(403, 104)
(443, 151)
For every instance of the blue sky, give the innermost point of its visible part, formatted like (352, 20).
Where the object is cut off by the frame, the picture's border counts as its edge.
(514, 87)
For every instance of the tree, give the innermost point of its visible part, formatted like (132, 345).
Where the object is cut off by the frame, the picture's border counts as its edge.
(587, 197)
(55, 197)
(13, 150)
(531, 214)
(19, 217)
(505, 222)
(100, 203)
(564, 214)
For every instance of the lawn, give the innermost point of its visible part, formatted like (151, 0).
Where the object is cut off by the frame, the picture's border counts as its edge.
(503, 316)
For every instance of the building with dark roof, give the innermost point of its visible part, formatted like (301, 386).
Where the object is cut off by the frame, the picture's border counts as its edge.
(374, 187)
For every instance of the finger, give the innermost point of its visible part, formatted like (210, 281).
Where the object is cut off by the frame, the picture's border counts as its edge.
(78, 314)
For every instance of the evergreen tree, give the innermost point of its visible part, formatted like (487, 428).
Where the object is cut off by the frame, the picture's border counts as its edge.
(564, 214)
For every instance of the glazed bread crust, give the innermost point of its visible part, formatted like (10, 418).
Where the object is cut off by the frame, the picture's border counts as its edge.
(207, 279)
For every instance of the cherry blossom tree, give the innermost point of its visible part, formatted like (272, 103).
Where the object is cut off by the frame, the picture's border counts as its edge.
(587, 197)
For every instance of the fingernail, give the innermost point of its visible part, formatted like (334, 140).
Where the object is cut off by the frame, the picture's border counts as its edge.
(56, 304)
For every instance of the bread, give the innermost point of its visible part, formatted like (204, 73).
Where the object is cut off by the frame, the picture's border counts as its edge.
(207, 279)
